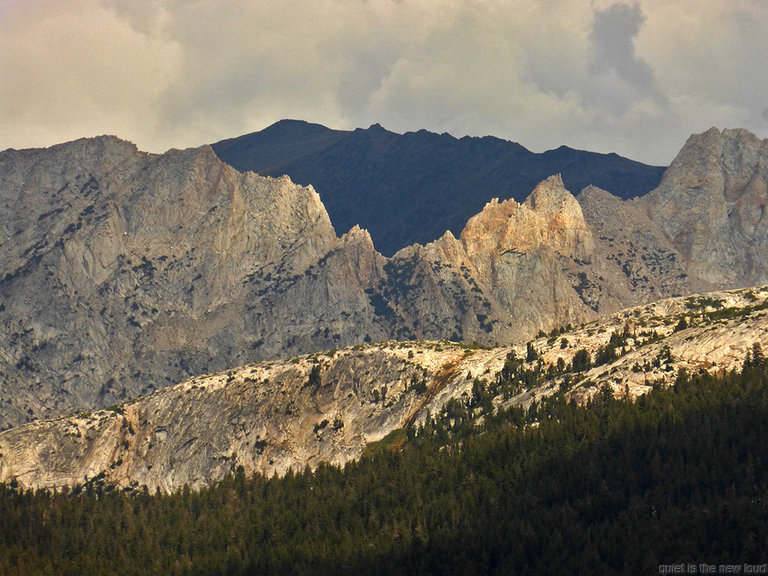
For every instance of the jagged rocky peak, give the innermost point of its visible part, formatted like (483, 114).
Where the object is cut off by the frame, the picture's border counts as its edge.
(713, 154)
(488, 224)
(357, 259)
(550, 217)
(127, 271)
(358, 236)
(550, 196)
(713, 197)
(716, 164)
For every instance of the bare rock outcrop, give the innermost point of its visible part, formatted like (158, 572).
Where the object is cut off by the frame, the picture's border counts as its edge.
(123, 272)
(703, 228)
(272, 417)
(711, 203)
(268, 417)
(515, 270)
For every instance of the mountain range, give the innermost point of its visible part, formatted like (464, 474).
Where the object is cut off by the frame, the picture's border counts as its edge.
(564, 383)
(410, 188)
(123, 272)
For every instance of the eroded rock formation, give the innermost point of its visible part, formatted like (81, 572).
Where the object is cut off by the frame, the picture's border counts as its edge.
(123, 272)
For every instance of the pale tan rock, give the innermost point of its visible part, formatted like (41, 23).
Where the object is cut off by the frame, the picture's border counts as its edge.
(123, 272)
(270, 417)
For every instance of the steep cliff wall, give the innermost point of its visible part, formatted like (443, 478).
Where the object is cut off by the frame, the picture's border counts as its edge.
(123, 272)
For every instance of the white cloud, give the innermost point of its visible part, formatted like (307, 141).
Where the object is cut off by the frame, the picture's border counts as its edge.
(73, 69)
(635, 78)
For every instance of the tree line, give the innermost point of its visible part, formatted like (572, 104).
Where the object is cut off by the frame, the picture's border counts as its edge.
(680, 475)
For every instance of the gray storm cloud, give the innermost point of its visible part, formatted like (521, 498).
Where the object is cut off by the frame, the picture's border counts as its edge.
(613, 39)
(635, 78)
(621, 81)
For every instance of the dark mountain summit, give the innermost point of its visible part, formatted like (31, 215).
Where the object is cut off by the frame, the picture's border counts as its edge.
(411, 188)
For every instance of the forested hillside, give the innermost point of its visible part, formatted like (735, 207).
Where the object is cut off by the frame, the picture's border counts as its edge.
(613, 487)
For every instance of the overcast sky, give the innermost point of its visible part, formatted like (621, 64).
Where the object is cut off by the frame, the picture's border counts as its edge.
(636, 78)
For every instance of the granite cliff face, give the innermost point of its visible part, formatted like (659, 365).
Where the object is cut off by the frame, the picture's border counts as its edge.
(266, 417)
(703, 228)
(513, 272)
(124, 272)
(274, 416)
(711, 204)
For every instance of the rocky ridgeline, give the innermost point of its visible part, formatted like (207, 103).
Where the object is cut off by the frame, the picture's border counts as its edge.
(410, 188)
(123, 272)
(273, 416)
(703, 228)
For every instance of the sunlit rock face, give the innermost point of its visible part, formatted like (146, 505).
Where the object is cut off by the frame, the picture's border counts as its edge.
(711, 204)
(123, 272)
(272, 417)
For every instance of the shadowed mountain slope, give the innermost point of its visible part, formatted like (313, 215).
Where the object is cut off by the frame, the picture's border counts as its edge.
(411, 188)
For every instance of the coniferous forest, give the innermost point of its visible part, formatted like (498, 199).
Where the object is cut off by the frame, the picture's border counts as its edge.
(677, 476)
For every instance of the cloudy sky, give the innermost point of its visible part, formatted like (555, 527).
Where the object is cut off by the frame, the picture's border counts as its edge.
(636, 78)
